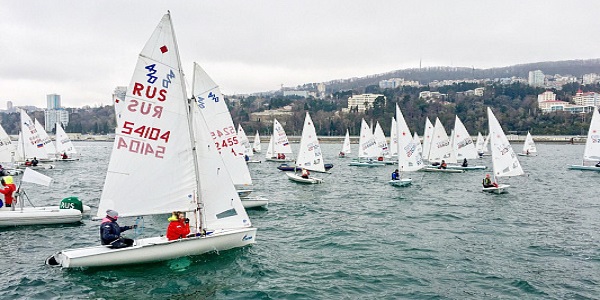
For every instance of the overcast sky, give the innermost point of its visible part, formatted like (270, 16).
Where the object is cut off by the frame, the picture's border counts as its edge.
(82, 49)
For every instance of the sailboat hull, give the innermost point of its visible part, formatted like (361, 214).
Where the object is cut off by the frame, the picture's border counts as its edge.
(466, 168)
(401, 182)
(436, 170)
(38, 216)
(584, 168)
(279, 159)
(254, 201)
(501, 189)
(297, 178)
(152, 249)
(525, 154)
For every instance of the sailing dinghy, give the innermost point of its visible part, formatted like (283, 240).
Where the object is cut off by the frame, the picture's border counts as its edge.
(409, 159)
(70, 210)
(464, 148)
(248, 153)
(211, 104)
(256, 147)
(173, 140)
(279, 149)
(504, 159)
(64, 146)
(30, 145)
(346, 149)
(591, 154)
(310, 156)
(529, 148)
(367, 148)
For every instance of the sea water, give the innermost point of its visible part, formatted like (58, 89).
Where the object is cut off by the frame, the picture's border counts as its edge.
(352, 237)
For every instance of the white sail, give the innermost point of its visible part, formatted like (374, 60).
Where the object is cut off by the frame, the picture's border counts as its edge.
(529, 145)
(310, 156)
(48, 144)
(504, 159)
(256, 147)
(280, 140)
(479, 143)
(427, 135)
(244, 141)
(32, 143)
(418, 143)
(591, 154)
(151, 168)
(408, 157)
(269, 153)
(366, 143)
(486, 143)
(7, 148)
(212, 105)
(462, 142)
(440, 145)
(63, 143)
(394, 138)
(382, 144)
(346, 149)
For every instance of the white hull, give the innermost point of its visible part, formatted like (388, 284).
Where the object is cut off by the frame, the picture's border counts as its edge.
(584, 168)
(502, 188)
(38, 167)
(152, 249)
(297, 178)
(366, 164)
(255, 201)
(280, 160)
(431, 169)
(253, 161)
(467, 168)
(68, 159)
(525, 154)
(39, 216)
(401, 182)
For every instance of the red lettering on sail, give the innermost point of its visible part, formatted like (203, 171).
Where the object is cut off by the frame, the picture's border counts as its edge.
(145, 108)
(140, 147)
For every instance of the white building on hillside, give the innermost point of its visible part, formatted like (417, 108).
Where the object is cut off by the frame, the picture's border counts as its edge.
(587, 99)
(536, 78)
(546, 96)
(362, 102)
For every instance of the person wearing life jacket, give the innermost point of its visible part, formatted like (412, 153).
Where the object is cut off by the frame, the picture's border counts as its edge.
(27, 162)
(487, 182)
(305, 174)
(8, 190)
(179, 226)
(110, 231)
(64, 155)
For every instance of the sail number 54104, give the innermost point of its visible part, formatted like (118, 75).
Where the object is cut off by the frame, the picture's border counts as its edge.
(146, 132)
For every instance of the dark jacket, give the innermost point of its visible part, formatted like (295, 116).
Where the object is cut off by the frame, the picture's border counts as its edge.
(110, 231)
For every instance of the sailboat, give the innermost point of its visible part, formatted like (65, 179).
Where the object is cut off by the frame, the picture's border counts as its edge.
(479, 144)
(394, 138)
(382, 144)
(30, 144)
(279, 148)
(256, 147)
(310, 156)
(427, 136)
(367, 148)
(346, 149)
(409, 159)
(7, 153)
(417, 141)
(212, 106)
(591, 154)
(64, 144)
(529, 148)
(245, 142)
(70, 210)
(463, 147)
(504, 159)
(441, 149)
(48, 144)
(172, 140)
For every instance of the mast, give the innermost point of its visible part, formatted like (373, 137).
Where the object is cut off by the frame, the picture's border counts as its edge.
(190, 116)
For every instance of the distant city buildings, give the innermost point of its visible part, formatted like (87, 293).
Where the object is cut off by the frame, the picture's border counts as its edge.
(303, 94)
(536, 78)
(362, 102)
(393, 83)
(54, 113)
(587, 99)
(547, 103)
(546, 96)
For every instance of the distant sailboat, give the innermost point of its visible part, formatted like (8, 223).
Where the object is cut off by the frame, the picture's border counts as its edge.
(367, 148)
(310, 156)
(382, 144)
(409, 159)
(48, 144)
(30, 145)
(279, 149)
(441, 150)
(427, 136)
(64, 146)
(346, 149)
(394, 138)
(591, 154)
(529, 148)
(245, 142)
(256, 147)
(463, 147)
(504, 159)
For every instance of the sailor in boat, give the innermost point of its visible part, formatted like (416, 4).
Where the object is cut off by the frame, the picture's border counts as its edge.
(465, 163)
(8, 190)
(179, 226)
(396, 175)
(64, 155)
(246, 157)
(27, 162)
(598, 164)
(305, 174)
(2, 171)
(280, 156)
(342, 154)
(34, 162)
(527, 152)
(110, 231)
(443, 165)
(487, 182)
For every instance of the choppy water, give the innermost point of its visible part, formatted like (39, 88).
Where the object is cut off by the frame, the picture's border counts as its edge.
(351, 237)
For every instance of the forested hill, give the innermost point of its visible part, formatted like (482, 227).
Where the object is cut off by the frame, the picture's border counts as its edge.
(424, 75)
